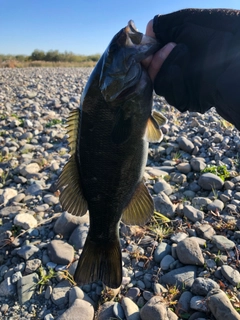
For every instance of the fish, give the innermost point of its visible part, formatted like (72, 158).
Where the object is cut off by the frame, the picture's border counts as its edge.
(108, 137)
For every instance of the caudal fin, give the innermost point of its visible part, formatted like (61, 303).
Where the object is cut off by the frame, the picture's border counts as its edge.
(100, 262)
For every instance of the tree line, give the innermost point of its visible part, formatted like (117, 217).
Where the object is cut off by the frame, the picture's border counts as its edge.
(52, 56)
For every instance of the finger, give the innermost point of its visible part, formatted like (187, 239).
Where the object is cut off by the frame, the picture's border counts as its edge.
(158, 59)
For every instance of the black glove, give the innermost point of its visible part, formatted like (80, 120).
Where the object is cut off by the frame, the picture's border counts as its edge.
(203, 70)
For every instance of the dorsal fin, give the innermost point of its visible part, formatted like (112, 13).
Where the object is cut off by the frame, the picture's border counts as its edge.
(140, 208)
(71, 198)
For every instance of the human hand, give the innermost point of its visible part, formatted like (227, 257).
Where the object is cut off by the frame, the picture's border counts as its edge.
(154, 62)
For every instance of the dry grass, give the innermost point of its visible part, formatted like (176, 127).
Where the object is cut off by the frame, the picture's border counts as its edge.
(28, 64)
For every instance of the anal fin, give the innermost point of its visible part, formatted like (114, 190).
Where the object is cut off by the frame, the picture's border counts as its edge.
(141, 207)
(71, 198)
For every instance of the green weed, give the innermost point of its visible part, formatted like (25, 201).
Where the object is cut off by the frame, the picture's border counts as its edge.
(220, 171)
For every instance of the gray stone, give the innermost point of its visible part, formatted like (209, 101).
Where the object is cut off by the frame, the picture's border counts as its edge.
(183, 306)
(181, 277)
(60, 252)
(205, 231)
(7, 195)
(25, 221)
(198, 303)
(26, 287)
(185, 144)
(223, 243)
(202, 286)
(161, 250)
(184, 167)
(232, 275)
(200, 202)
(105, 311)
(156, 309)
(78, 293)
(189, 252)
(30, 168)
(131, 310)
(162, 185)
(197, 164)
(27, 251)
(79, 310)
(164, 205)
(66, 223)
(133, 293)
(60, 293)
(220, 306)
(179, 236)
(178, 178)
(34, 189)
(210, 181)
(193, 214)
(118, 311)
(216, 205)
(32, 265)
(166, 262)
(7, 288)
(78, 237)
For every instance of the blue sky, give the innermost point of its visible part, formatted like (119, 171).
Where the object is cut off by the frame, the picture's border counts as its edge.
(81, 26)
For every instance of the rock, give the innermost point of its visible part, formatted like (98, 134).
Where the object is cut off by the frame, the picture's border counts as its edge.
(161, 251)
(105, 311)
(197, 164)
(155, 309)
(27, 251)
(185, 144)
(133, 293)
(131, 310)
(164, 205)
(184, 167)
(180, 277)
(25, 221)
(216, 205)
(26, 287)
(7, 288)
(60, 252)
(78, 237)
(79, 310)
(223, 243)
(189, 252)
(32, 265)
(7, 195)
(183, 306)
(198, 303)
(66, 223)
(193, 214)
(78, 293)
(60, 293)
(162, 186)
(205, 231)
(202, 286)
(166, 262)
(30, 168)
(118, 311)
(232, 275)
(210, 181)
(220, 306)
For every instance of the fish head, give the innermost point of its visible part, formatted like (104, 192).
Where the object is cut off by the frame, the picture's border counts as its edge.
(121, 67)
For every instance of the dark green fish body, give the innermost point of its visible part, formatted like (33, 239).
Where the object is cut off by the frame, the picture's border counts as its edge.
(109, 147)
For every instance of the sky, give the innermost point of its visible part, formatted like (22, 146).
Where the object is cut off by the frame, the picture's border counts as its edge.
(81, 26)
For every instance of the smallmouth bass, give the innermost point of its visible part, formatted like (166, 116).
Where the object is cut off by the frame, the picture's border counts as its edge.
(108, 138)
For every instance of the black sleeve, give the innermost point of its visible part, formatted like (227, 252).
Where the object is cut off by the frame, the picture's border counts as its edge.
(203, 70)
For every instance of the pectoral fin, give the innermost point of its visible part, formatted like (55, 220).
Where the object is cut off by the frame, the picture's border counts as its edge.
(153, 132)
(122, 128)
(71, 198)
(141, 207)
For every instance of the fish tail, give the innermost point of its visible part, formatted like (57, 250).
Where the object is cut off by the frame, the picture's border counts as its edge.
(100, 261)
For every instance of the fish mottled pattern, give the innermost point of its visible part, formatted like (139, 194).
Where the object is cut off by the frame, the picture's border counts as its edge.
(108, 137)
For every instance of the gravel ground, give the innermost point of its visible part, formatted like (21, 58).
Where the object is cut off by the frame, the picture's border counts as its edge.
(183, 265)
